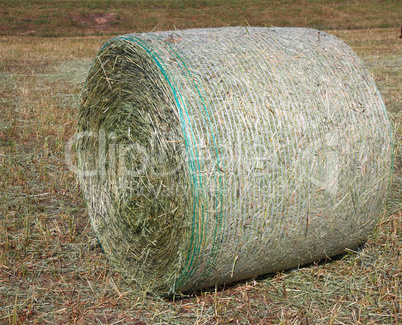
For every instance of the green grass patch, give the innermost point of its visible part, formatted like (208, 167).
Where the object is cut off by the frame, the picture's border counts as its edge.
(75, 18)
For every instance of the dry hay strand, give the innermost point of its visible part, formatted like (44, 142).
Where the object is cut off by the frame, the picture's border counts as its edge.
(212, 155)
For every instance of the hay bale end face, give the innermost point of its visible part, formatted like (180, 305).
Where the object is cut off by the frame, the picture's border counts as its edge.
(213, 155)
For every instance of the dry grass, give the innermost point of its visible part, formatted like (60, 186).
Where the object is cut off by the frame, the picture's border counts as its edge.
(52, 269)
(148, 229)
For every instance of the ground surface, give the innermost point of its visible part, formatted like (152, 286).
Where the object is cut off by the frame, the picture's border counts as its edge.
(52, 269)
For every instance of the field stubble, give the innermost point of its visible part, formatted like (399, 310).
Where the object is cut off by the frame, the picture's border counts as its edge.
(52, 269)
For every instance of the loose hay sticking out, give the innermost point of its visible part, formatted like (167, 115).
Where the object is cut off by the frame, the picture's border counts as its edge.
(212, 155)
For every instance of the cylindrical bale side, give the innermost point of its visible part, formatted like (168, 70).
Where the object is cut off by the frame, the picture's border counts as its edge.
(213, 155)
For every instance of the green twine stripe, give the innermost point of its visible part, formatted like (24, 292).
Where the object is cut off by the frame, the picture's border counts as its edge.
(188, 271)
(196, 180)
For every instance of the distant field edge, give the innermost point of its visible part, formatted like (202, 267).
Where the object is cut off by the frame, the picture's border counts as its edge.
(57, 18)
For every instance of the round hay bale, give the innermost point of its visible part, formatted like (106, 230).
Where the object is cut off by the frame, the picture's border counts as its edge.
(213, 155)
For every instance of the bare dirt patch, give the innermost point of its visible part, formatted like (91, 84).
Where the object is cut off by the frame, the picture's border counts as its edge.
(101, 20)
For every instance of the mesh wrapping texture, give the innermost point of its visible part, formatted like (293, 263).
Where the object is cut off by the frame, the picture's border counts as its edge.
(212, 155)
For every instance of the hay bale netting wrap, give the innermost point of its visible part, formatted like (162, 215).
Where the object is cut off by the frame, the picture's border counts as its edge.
(212, 155)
